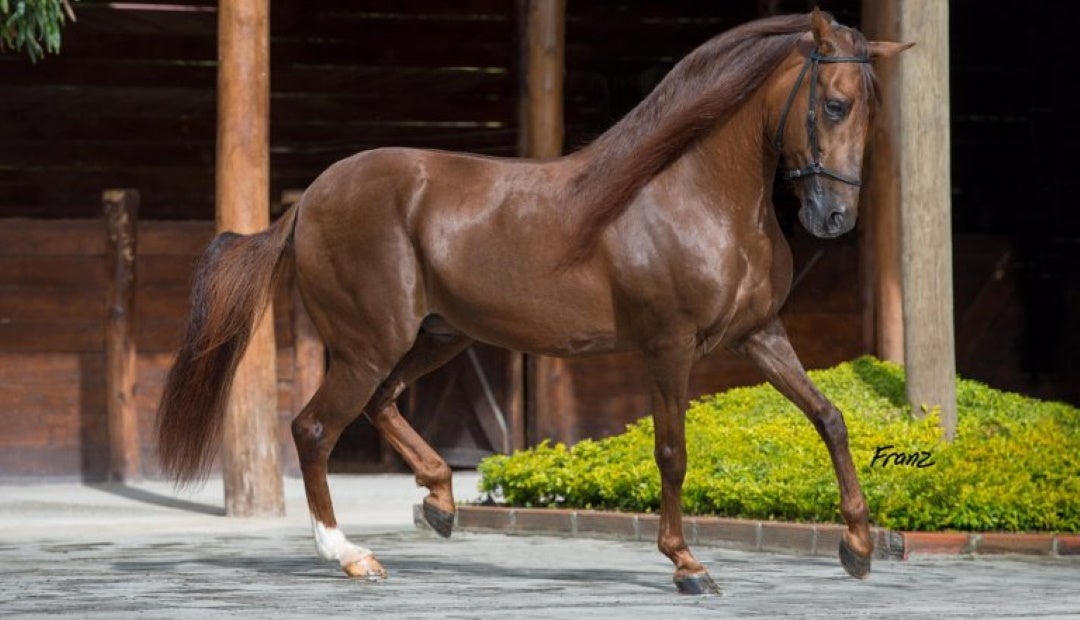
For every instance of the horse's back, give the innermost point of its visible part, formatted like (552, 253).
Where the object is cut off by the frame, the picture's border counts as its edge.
(387, 182)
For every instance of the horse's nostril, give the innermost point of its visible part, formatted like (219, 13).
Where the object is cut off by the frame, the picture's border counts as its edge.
(836, 220)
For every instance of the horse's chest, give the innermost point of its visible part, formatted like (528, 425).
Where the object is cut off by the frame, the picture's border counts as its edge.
(739, 301)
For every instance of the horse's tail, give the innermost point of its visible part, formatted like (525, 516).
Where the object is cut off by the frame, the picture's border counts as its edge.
(233, 285)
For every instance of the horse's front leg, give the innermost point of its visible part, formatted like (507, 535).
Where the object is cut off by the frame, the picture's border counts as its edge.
(670, 371)
(771, 351)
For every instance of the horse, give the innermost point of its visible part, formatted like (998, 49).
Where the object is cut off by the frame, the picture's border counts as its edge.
(659, 236)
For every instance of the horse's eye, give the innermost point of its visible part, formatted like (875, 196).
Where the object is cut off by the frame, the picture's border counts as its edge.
(836, 109)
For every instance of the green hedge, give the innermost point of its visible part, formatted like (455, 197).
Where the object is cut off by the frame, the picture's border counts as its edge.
(1014, 466)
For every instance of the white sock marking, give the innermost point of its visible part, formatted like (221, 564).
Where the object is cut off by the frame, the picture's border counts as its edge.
(331, 544)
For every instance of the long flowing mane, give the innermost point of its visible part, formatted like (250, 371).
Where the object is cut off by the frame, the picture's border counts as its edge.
(703, 89)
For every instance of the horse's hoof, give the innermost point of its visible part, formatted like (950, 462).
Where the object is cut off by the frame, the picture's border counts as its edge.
(697, 585)
(366, 568)
(856, 565)
(439, 520)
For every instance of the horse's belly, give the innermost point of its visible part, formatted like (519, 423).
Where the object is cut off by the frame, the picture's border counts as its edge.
(543, 322)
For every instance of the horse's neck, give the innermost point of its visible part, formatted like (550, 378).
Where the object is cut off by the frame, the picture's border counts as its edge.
(733, 161)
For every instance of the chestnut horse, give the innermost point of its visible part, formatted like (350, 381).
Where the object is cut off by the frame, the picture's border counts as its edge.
(659, 237)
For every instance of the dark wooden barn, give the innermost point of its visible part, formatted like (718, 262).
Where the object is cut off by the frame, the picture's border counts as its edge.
(131, 103)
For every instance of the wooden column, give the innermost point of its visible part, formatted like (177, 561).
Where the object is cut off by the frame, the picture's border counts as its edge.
(541, 137)
(251, 464)
(515, 401)
(917, 97)
(121, 208)
(543, 49)
(880, 236)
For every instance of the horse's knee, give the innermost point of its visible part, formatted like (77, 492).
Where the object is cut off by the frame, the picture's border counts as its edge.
(672, 463)
(830, 423)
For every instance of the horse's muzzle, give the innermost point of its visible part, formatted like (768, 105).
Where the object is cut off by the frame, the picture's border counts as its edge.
(827, 223)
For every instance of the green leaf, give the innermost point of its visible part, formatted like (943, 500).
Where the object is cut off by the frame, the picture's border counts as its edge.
(27, 24)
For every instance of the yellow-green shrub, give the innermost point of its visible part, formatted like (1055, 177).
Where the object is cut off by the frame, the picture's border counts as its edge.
(1014, 465)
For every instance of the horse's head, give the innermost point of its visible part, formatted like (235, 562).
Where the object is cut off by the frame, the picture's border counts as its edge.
(829, 95)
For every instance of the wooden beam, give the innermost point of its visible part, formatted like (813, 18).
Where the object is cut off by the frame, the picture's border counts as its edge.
(121, 208)
(251, 464)
(921, 144)
(543, 62)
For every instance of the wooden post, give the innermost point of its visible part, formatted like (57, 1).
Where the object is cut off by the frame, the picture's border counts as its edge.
(121, 208)
(920, 141)
(515, 401)
(250, 457)
(880, 236)
(544, 44)
(541, 113)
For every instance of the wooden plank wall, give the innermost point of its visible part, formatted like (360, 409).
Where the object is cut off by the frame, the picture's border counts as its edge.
(52, 317)
(131, 101)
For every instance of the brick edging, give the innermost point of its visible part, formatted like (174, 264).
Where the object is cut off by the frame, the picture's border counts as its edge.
(817, 539)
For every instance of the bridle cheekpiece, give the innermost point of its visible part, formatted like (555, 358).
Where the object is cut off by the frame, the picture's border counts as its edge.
(812, 64)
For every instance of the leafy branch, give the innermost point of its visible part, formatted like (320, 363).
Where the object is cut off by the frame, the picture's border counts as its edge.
(33, 25)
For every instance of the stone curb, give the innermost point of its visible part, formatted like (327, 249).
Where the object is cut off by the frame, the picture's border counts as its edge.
(818, 539)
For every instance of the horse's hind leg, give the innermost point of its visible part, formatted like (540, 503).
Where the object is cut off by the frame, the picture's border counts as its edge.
(316, 430)
(771, 351)
(430, 352)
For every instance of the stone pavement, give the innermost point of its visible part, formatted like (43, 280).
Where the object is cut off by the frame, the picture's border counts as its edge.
(146, 551)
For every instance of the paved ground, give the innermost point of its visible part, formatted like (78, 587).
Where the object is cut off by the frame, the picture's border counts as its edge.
(145, 551)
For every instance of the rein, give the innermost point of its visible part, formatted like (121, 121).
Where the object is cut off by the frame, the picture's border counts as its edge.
(812, 64)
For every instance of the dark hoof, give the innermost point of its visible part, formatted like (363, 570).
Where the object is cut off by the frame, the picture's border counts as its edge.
(856, 565)
(697, 585)
(439, 520)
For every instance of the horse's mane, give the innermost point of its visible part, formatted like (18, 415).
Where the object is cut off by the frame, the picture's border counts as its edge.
(703, 89)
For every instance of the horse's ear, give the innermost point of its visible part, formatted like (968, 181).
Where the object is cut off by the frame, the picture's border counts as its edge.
(824, 34)
(887, 49)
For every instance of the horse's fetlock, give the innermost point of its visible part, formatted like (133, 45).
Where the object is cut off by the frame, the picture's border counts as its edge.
(435, 475)
(671, 545)
(855, 511)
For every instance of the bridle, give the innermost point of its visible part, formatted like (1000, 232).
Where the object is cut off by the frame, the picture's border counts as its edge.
(812, 64)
